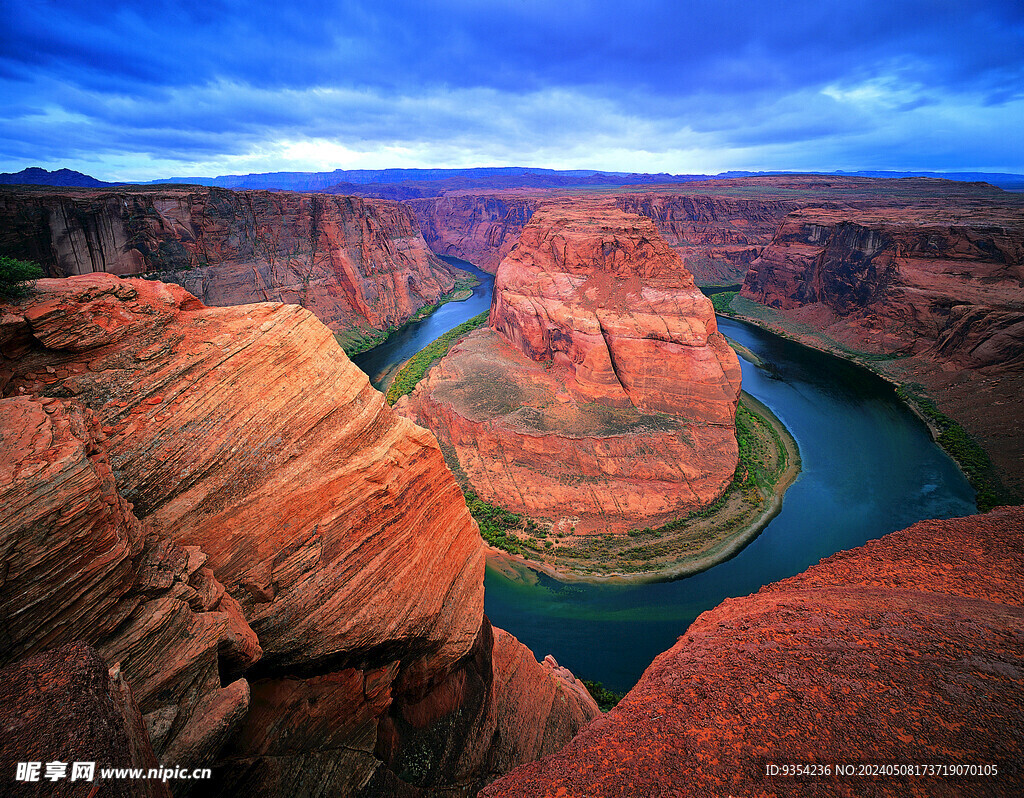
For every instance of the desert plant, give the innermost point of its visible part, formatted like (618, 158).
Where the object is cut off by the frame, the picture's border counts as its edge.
(17, 276)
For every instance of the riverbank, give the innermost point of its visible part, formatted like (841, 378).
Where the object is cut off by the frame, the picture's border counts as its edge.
(359, 340)
(769, 464)
(918, 384)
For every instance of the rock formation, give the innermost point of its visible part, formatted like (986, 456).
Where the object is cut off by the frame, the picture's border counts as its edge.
(906, 281)
(190, 488)
(908, 650)
(64, 706)
(602, 391)
(717, 236)
(355, 263)
(480, 228)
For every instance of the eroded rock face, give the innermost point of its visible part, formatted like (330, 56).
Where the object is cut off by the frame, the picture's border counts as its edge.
(77, 567)
(717, 236)
(482, 229)
(280, 511)
(908, 649)
(355, 263)
(63, 706)
(904, 280)
(603, 393)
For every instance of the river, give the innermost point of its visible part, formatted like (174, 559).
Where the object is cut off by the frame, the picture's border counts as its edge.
(869, 468)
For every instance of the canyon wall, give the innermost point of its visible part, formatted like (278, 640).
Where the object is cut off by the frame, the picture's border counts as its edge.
(602, 395)
(926, 284)
(480, 228)
(355, 263)
(903, 281)
(217, 499)
(908, 650)
(717, 236)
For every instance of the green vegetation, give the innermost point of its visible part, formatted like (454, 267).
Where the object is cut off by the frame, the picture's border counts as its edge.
(605, 698)
(972, 459)
(412, 372)
(722, 300)
(499, 526)
(362, 339)
(16, 276)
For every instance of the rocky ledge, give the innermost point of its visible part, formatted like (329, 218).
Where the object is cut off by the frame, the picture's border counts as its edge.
(283, 571)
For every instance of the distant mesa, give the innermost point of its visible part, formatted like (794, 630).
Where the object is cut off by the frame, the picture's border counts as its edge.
(602, 390)
(34, 176)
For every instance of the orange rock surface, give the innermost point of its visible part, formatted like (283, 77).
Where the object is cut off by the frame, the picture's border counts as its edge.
(603, 394)
(77, 567)
(280, 509)
(355, 263)
(909, 650)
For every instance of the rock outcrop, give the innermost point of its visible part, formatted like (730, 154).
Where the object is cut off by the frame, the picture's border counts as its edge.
(357, 264)
(602, 393)
(909, 650)
(62, 708)
(77, 567)
(480, 228)
(213, 493)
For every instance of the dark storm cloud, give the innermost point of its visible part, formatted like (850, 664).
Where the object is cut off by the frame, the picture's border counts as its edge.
(191, 80)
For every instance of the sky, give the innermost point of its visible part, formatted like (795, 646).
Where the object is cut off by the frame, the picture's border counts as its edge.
(138, 91)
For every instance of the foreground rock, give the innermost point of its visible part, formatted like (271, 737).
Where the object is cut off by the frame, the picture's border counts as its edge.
(907, 650)
(602, 396)
(280, 508)
(357, 264)
(64, 707)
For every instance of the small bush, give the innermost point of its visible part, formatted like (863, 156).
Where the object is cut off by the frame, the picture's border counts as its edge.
(605, 698)
(16, 276)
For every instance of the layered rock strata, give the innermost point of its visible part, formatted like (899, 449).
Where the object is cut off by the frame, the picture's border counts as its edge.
(909, 650)
(280, 508)
(903, 281)
(718, 237)
(355, 263)
(480, 228)
(602, 394)
(78, 566)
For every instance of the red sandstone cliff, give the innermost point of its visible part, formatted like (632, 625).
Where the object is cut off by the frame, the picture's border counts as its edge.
(275, 497)
(603, 392)
(909, 650)
(927, 278)
(716, 236)
(355, 263)
(479, 228)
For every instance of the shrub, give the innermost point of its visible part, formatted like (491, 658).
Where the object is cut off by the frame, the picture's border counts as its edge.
(16, 276)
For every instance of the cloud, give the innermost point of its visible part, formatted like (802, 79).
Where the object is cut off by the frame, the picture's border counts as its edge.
(223, 83)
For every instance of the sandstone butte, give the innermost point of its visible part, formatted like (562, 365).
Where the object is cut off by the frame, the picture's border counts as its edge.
(357, 264)
(282, 571)
(907, 650)
(602, 395)
(929, 284)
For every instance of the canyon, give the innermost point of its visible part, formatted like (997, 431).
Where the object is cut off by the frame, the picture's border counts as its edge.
(359, 265)
(601, 396)
(221, 548)
(281, 570)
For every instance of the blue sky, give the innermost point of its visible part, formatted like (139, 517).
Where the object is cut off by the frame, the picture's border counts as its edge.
(133, 91)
